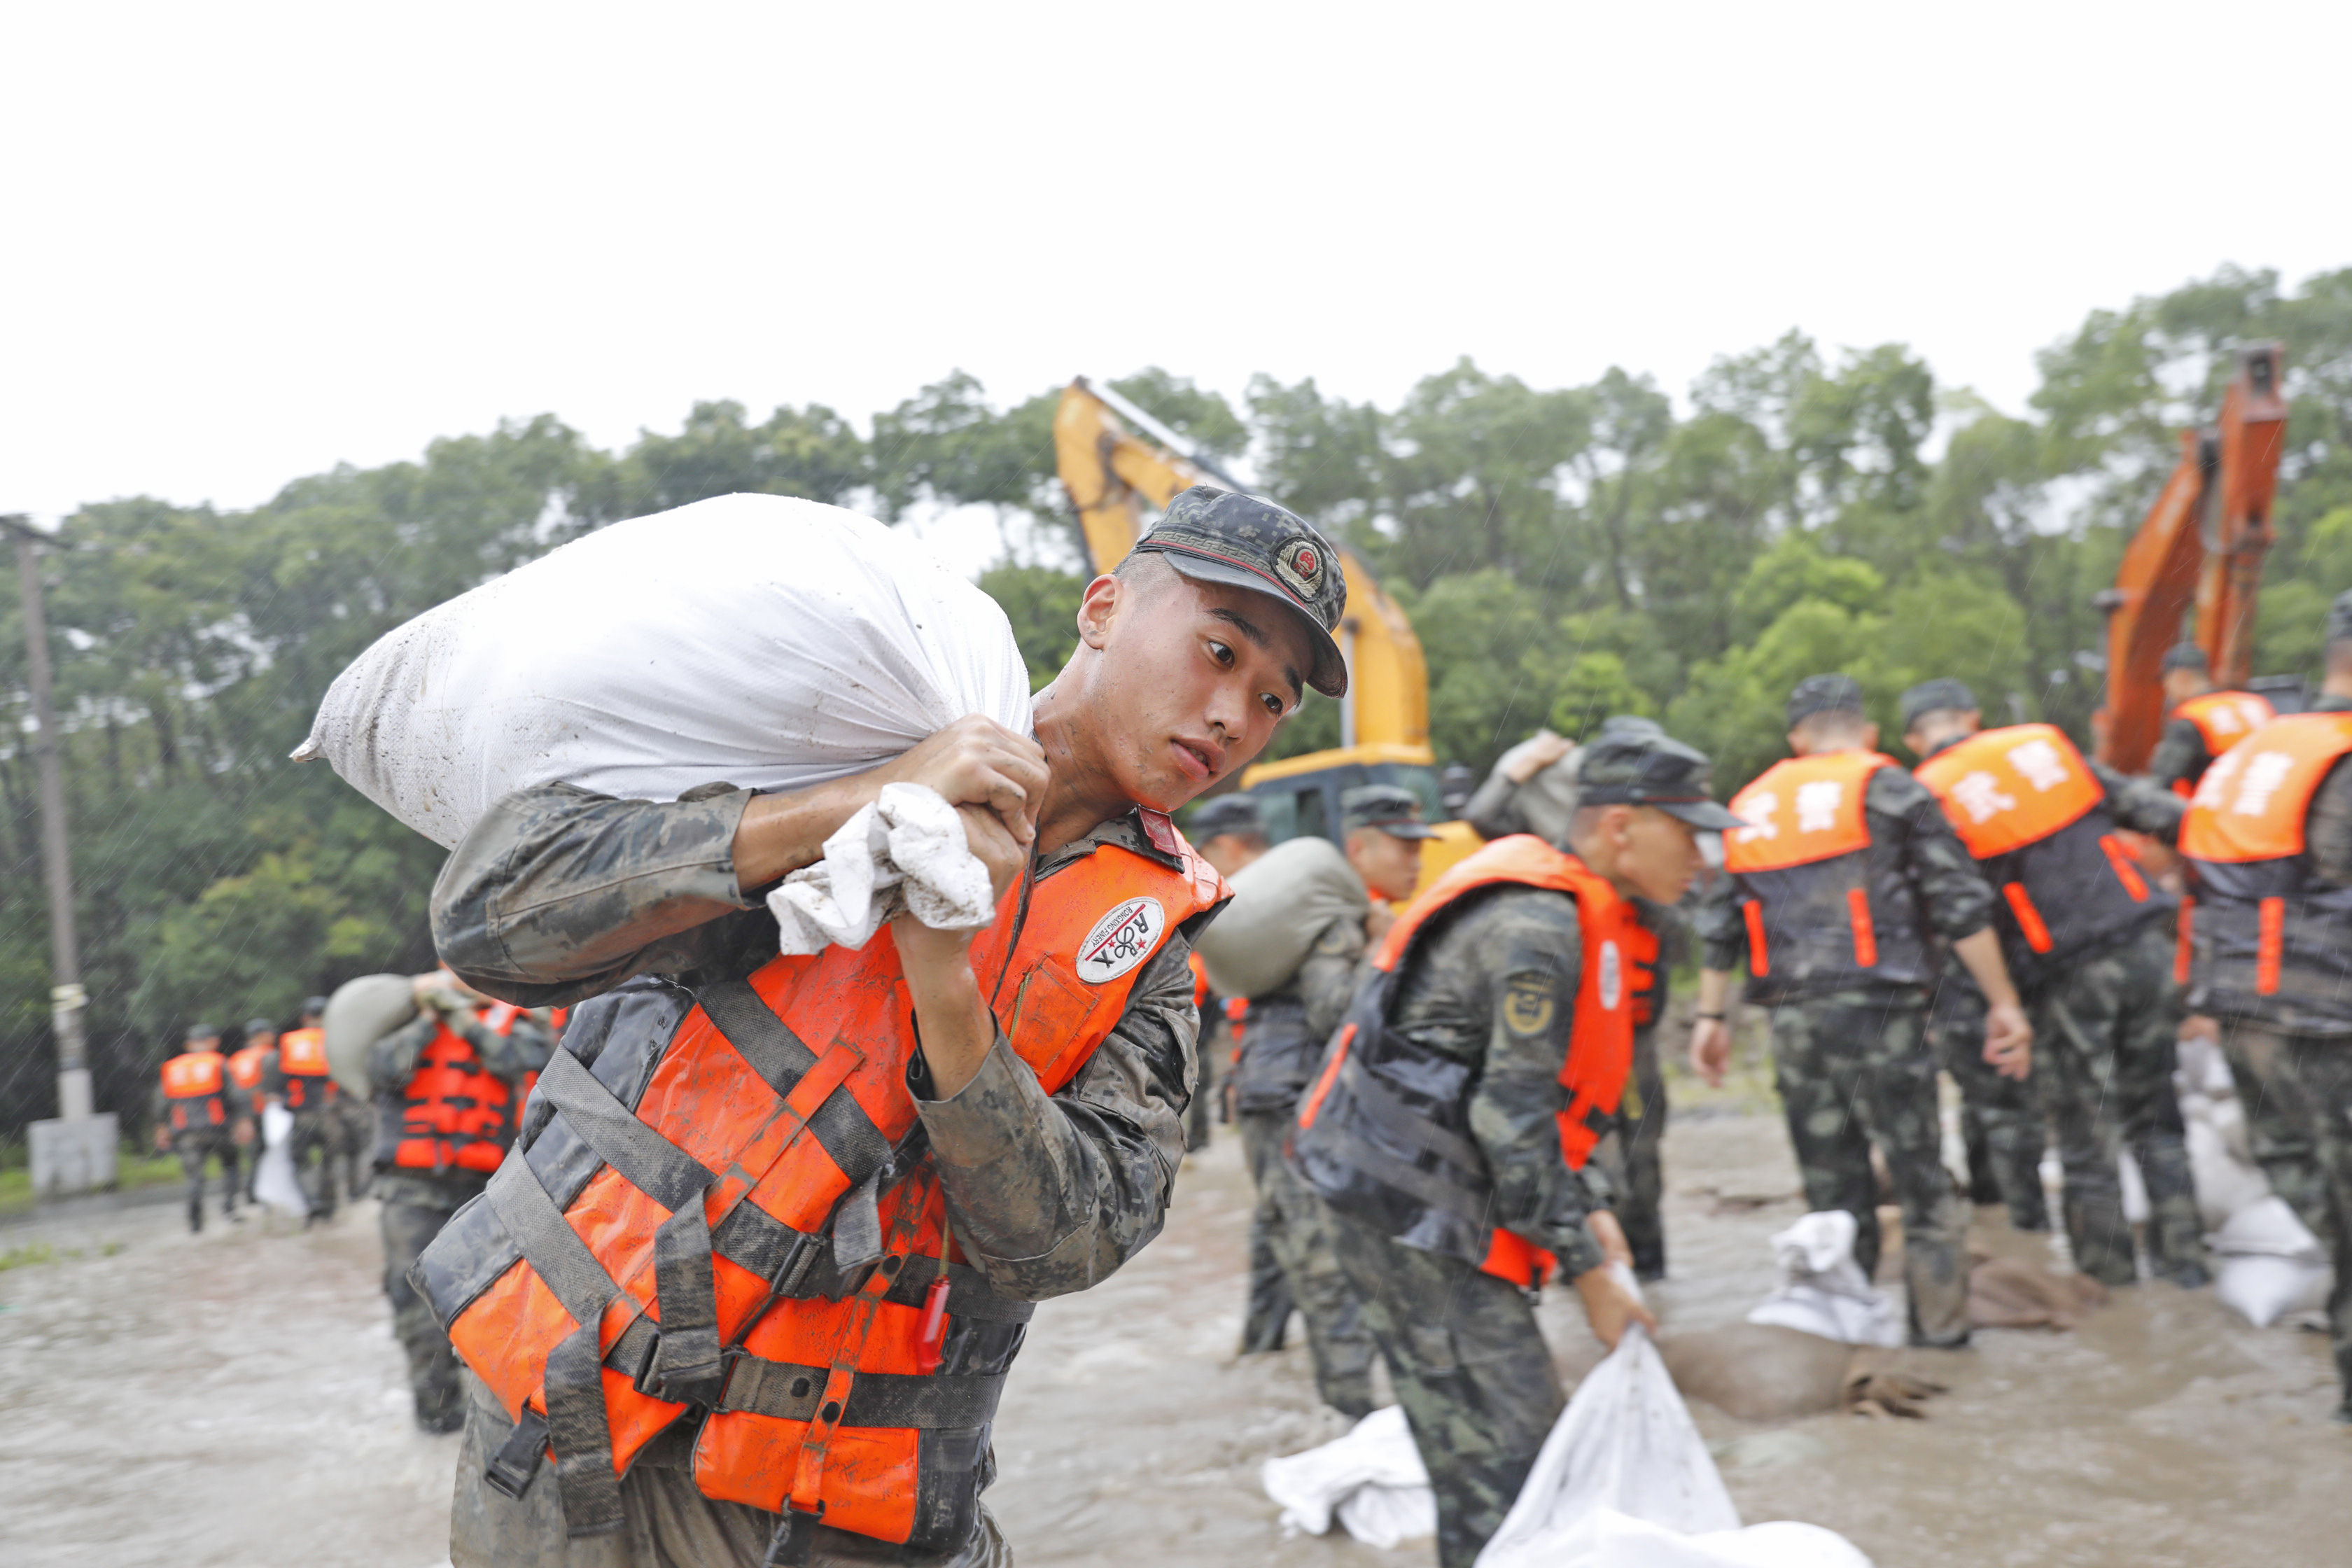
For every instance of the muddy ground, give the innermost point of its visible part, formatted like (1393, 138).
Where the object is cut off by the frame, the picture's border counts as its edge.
(238, 1399)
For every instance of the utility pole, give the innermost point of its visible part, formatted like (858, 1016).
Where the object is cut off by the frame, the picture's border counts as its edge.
(75, 1152)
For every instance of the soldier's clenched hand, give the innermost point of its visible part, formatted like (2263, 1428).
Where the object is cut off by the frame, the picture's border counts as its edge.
(977, 762)
(1611, 1303)
(2009, 1040)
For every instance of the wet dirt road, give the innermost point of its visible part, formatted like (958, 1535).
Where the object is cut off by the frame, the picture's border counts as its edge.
(238, 1399)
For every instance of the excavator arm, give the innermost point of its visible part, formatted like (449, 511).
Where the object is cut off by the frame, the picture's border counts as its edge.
(2203, 542)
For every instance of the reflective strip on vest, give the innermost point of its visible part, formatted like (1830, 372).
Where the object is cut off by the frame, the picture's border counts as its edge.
(1802, 810)
(2251, 804)
(2272, 948)
(2004, 789)
(2184, 946)
(761, 1237)
(1759, 954)
(2119, 855)
(1865, 934)
(2029, 918)
(2225, 718)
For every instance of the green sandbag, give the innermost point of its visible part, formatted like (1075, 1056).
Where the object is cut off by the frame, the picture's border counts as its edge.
(359, 1013)
(1282, 902)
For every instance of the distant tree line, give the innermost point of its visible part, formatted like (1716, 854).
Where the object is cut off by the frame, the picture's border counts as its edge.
(1564, 553)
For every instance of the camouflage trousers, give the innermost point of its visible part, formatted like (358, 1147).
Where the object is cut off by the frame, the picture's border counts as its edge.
(1471, 1371)
(1295, 1228)
(2298, 1095)
(354, 1143)
(1853, 1069)
(1632, 1157)
(2106, 1039)
(414, 1210)
(665, 1522)
(2001, 1118)
(193, 1148)
(311, 1146)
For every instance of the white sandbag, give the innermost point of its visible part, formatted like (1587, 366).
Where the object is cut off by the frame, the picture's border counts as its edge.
(1371, 1480)
(1283, 900)
(359, 1013)
(2135, 1188)
(762, 641)
(904, 854)
(274, 1181)
(2268, 1263)
(2226, 1185)
(1823, 1291)
(1607, 1538)
(1625, 1442)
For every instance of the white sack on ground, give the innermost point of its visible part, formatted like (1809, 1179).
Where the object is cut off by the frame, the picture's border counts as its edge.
(1371, 1480)
(1282, 902)
(1606, 1539)
(1625, 1442)
(1821, 1289)
(905, 854)
(754, 640)
(2268, 1263)
(274, 1181)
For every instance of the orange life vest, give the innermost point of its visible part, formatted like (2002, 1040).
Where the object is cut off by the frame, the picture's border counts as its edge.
(2029, 808)
(2225, 718)
(302, 1057)
(454, 1112)
(244, 1068)
(1642, 952)
(194, 1084)
(763, 1241)
(1802, 870)
(1384, 1132)
(2272, 944)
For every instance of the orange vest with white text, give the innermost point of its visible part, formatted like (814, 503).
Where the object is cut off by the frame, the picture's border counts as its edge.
(302, 1057)
(1384, 1132)
(2223, 720)
(2029, 808)
(245, 1067)
(195, 1091)
(2272, 944)
(1824, 912)
(745, 1238)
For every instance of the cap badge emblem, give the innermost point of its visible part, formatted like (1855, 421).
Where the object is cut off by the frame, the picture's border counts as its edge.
(1301, 566)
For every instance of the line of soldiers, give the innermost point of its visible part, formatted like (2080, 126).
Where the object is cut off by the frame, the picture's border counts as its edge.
(453, 1081)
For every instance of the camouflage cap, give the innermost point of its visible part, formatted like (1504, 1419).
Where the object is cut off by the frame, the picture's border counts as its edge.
(314, 1006)
(1630, 724)
(260, 1026)
(1220, 536)
(2186, 655)
(1635, 768)
(1226, 813)
(1823, 694)
(1934, 695)
(2339, 619)
(1393, 808)
(202, 1032)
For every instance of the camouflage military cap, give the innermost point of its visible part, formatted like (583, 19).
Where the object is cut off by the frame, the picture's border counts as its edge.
(1226, 813)
(260, 1026)
(1391, 809)
(314, 1006)
(1220, 536)
(2186, 655)
(1630, 724)
(202, 1032)
(1935, 696)
(1634, 768)
(2339, 619)
(1823, 694)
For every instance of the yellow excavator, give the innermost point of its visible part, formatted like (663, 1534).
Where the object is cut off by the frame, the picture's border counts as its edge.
(1113, 457)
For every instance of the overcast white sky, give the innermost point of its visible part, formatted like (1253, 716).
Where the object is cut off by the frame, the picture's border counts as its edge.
(244, 243)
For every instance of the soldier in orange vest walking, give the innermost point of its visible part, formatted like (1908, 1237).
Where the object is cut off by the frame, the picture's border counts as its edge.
(2089, 941)
(2202, 721)
(2269, 843)
(1842, 873)
(448, 1102)
(199, 1115)
(748, 1289)
(1448, 1128)
(294, 1075)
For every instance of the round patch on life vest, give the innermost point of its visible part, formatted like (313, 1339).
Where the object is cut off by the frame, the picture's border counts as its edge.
(1122, 940)
(1612, 976)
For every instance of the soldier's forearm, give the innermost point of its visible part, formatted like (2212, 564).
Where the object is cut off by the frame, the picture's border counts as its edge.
(1981, 954)
(1714, 990)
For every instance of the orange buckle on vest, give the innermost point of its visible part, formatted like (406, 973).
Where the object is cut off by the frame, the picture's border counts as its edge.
(1307, 1113)
(2029, 918)
(1759, 962)
(2270, 947)
(2184, 948)
(2127, 872)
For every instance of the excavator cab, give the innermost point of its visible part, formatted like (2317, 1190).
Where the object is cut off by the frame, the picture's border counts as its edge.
(1109, 471)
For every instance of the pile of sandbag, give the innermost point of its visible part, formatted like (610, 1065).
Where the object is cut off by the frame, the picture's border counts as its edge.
(1822, 1290)
(2267, 1264)
(761, 641)
(1283, 902)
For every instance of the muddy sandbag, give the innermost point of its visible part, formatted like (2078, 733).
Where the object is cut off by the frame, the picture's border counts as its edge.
(1822, 1290)
(1282, 902)
(761, 641)
(1759, 1372)
(359, 1013)
(2011, 1293)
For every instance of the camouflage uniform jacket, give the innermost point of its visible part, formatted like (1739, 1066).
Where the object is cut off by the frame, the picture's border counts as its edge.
(1283, 1035)
(560, 894)
(1494, 987)
(1910, 838)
